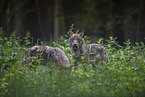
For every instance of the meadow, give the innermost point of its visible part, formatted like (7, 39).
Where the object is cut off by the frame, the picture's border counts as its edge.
(123, 76)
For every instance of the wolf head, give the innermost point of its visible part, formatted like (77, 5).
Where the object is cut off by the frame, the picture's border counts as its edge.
(76, 42)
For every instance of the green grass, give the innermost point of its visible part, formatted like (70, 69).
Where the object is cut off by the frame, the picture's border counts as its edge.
(123, 76)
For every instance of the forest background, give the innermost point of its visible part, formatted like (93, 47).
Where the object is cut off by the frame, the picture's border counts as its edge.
(49, 19)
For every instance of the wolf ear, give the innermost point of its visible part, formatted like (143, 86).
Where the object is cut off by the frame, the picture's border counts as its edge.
(71, 33)
(82, 33)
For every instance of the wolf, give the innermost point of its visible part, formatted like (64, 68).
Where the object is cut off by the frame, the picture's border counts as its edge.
(78, 46)
(46, 53)
(94, 52)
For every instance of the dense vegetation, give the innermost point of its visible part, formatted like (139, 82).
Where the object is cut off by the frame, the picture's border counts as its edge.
(123, 76)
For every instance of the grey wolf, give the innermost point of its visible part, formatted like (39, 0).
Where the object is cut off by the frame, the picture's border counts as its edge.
(46, 53)
(78, 46)
(93, 51)
(96, 52)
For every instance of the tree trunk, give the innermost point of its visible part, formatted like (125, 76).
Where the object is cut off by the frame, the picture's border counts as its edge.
(44, 13)
(56, 19)
(118, 27)
(59, 19)
(140, 22)
(18, 17)
(110, 17)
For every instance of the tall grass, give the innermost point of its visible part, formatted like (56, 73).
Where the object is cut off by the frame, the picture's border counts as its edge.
(123, 76)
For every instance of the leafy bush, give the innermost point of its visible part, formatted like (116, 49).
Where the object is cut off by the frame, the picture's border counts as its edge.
(123, 76)
(11, 53)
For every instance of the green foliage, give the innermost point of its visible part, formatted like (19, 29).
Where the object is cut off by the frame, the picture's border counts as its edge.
(28, 39)
(123, 76)
(10, 55)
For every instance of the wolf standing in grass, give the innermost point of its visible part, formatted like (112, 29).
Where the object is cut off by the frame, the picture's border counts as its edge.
(94, 52)
(47, 54)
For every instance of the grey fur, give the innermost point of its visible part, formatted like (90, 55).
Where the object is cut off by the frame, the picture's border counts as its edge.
(46, 53)
(94, 52)
(97, 52)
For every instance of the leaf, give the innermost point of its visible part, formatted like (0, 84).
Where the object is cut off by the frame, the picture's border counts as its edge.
(3, 79)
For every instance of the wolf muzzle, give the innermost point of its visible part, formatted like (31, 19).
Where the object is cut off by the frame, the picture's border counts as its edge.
(75, 47)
